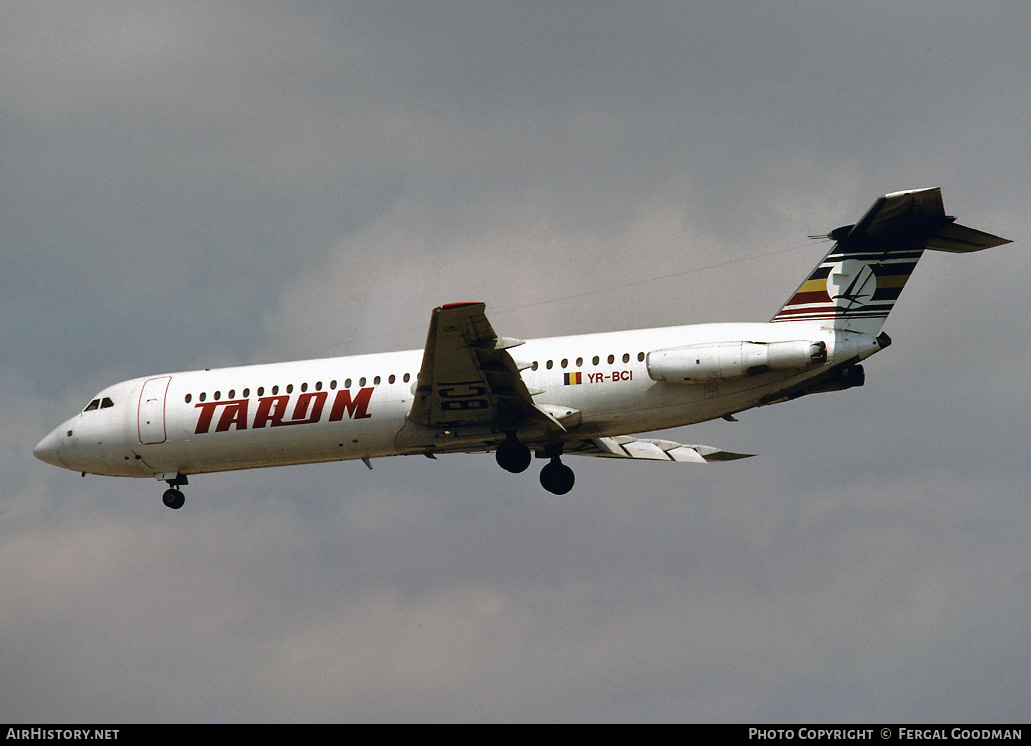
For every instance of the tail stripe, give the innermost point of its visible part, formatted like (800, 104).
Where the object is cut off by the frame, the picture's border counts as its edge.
(874, 283)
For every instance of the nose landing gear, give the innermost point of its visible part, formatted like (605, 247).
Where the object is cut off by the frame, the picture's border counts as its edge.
(173, 498)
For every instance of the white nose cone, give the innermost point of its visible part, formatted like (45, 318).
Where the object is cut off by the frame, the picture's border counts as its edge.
(49, 449)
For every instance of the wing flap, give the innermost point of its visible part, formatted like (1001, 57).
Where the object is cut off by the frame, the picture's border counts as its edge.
(650, 449)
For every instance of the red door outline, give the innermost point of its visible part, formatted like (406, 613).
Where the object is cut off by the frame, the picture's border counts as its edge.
(151, 414)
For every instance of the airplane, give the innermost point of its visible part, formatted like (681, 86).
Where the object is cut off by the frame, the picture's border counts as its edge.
(470, 390)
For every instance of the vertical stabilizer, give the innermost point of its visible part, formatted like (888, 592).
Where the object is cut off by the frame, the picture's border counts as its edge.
(857, 283)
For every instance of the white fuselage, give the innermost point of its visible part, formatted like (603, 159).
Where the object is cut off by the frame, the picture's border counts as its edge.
(356, 407)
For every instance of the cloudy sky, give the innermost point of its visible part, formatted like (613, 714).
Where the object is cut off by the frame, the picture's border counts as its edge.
(186, 185)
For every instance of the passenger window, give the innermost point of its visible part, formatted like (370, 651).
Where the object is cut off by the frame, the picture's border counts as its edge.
(376, 380)
(579, 362)
(626, 357)
(391, 379)
(565, 363)
(640, 357)
(612, 359)
(595, 360)
(534, 366)
(549, 365)
(408, 377)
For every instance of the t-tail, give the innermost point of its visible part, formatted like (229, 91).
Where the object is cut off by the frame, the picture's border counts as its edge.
(857, 283)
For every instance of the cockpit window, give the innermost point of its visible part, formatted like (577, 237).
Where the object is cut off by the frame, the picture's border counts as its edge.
(104, 403)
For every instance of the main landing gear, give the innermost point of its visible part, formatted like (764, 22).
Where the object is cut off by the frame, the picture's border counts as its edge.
(556, 477)
(513, 456)
(173, 498)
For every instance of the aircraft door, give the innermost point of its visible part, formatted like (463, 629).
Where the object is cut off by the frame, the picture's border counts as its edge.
(151, 418)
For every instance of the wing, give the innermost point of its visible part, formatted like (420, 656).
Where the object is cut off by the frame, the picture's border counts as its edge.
(469, 379)
(625, 446)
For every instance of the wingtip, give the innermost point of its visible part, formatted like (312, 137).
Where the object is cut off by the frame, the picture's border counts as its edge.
(463, 304)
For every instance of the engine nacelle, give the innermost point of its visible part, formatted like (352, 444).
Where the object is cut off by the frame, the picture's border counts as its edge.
(847, 378)
(721, 360)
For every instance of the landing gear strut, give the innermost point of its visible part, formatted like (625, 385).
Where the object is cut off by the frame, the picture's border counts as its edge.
(513, 456)
(173, 498)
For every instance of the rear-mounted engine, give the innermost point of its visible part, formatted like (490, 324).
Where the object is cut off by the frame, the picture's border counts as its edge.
(722, 360)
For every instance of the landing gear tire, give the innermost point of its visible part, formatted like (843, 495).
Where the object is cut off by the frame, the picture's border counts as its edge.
(557, 478)
(174, 499)
(513, 456)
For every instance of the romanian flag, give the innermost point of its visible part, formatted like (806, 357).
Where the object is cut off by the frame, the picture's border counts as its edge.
(572, 378)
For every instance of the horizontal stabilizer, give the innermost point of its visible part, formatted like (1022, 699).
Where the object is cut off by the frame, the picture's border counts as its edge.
(899, 214)
(960, 239)
(651, 449)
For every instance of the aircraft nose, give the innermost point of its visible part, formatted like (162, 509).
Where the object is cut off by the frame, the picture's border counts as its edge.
(49, 449)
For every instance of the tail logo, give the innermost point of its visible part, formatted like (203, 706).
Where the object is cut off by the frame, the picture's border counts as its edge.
(851, 284)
